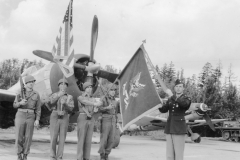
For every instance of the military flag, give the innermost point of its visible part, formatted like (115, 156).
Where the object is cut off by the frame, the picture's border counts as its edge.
(63, 51)
(138, 95)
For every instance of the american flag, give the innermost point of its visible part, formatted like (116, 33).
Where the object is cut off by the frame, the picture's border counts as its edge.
(63, 51)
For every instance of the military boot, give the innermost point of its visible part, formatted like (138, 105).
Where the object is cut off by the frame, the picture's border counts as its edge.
(19, 156)
(106, 156)
(102, 156)
(25, 157)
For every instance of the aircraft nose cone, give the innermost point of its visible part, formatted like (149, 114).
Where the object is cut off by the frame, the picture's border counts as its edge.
(93, 68)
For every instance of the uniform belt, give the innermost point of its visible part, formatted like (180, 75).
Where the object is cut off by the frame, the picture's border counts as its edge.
(26, 110)
(108, 115)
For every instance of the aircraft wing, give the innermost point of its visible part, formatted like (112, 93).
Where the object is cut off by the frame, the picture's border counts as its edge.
(203, 122)
(148, 123)
(6, 95)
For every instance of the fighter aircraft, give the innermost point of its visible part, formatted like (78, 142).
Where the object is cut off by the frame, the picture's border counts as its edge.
(85, 69)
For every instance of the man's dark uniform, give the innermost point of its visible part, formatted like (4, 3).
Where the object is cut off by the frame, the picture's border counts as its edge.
(176, 127)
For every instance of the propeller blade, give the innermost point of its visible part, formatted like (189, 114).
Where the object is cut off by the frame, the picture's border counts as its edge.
(94, 36)
(111, 77)
(209, 122)
(44, 54)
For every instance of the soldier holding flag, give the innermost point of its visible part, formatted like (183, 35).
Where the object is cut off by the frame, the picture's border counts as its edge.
(29, 110)
(108, 122)
(85, 123)
(176, 127)
(61, 104)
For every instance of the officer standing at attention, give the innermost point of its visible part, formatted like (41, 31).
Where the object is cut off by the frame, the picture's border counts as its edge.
(85, 123)
(108, 122)
(29, 110)
(176, 128)
(61, 104)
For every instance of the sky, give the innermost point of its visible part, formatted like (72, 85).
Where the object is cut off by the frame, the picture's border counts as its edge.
(188, 33)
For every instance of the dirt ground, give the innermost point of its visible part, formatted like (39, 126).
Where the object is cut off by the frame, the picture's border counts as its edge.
(130, 148)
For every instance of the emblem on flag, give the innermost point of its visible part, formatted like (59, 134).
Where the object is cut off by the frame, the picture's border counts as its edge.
(135, 85)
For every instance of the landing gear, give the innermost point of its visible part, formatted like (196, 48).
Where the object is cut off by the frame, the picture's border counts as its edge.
(198, 140)
(195, 137)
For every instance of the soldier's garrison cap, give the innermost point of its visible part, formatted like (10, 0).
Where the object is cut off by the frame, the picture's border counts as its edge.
(178, 81)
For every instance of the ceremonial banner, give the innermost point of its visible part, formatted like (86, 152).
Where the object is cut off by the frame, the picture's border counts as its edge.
(138, 96)
(63, 51)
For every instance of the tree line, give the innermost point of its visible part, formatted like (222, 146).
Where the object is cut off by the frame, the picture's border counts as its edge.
(209, 86)
(11, 69)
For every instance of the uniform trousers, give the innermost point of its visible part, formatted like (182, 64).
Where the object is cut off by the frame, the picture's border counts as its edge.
(175, 146)
(58, 130)
(84, 134)
(107, 134)
(24, 123)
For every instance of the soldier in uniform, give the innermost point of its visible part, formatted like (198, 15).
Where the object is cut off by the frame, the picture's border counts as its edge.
(61, 104)
(29, 110)
(176, 127)
(85, 123)
(108, 122)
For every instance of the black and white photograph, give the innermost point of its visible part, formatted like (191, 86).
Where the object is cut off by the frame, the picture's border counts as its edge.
(119, 79)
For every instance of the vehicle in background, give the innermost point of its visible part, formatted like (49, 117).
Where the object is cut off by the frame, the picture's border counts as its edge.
(230, 130)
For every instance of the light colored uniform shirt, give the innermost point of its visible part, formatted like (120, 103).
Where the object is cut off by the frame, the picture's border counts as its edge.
(55, 102)
(33, 102)
(86, 101)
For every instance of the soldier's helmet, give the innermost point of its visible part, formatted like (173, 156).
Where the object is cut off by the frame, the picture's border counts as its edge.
(111, 87)
(86, 84)
(29, 78)
(63, 80)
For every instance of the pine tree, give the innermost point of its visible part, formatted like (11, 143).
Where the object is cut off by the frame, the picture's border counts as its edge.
(206, 72)
(171, 74)
(164, 72)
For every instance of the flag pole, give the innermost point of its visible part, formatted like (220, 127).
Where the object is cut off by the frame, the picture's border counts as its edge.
(107, 89)
(165, 89)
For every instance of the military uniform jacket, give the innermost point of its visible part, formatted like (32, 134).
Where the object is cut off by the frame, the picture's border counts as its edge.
(105, 102)
(33, 102)
(86, 101)
(56, 105)
(176, 107)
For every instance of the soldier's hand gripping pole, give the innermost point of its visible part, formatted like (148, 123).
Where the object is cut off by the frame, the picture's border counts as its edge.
(107, 89)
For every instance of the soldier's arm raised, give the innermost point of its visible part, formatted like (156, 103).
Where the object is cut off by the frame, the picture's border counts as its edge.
(16, 103)
(70, 103)
(165, 107)
(54, 98)
(85, 101)
(184, 102)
